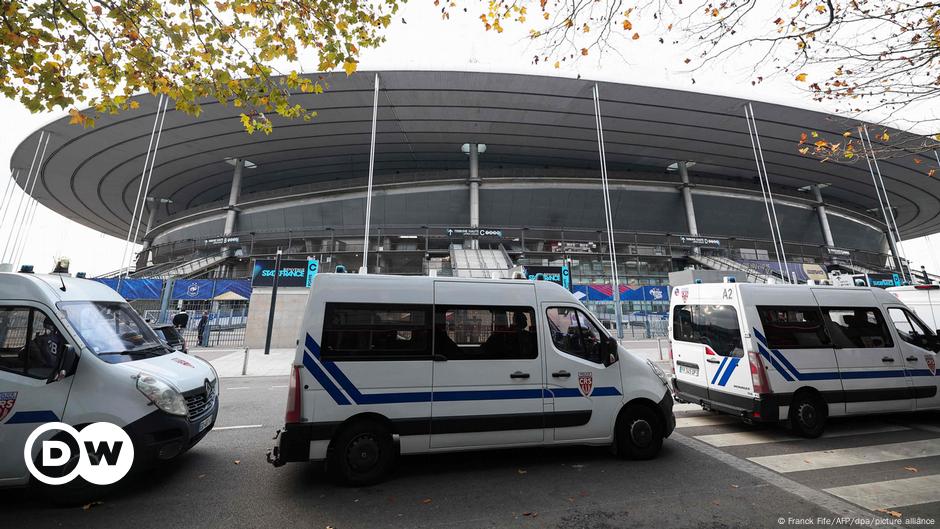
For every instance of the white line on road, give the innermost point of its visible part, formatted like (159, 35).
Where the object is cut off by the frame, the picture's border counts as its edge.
(278, 386)
(837, 506)
(239, 387)
(775, 436)
(704, 420)
(239, 427)
(843, 457)
(893, 493)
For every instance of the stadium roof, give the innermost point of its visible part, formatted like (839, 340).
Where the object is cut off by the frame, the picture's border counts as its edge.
(92, 175)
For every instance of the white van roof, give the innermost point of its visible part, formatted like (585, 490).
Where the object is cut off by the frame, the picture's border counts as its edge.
(881, 294)
(546, 290)
(47, 288)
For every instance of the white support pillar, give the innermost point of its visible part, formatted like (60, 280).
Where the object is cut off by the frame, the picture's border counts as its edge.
(233, 197)
(474, 190)
(687, 198)
(823, 217)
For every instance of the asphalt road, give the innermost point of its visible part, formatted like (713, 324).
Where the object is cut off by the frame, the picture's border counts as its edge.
(224, 482)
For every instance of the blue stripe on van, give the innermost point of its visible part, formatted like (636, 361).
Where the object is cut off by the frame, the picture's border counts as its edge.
(26, 417)
(732, 363)
(324, 380)
(312, 361)
(828, 375)
(773, 362)
(718, 371)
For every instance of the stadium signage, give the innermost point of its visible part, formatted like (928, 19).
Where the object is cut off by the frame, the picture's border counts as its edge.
(475, 232)
(838, 251)
(293, 273)
(555, 274)
(699, 241)
(218, 241)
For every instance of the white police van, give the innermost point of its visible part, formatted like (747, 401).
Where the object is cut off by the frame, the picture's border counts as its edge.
(401, 365)
(800, 353)
(923, 299)
(73, 351)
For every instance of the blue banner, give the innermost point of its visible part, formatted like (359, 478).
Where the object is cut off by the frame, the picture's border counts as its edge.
(602, 292)
(193, 289)
(133, 289)
(242, 287)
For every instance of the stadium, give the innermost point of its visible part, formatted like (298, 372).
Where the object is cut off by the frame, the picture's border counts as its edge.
(475, 173)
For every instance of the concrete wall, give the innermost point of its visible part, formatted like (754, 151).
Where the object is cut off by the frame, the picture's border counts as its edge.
(288, 317)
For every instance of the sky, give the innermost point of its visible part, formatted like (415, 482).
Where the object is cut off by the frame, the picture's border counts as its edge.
(419, 39)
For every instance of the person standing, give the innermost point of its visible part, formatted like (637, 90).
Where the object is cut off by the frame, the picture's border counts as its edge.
(181, 320)
(203, 329)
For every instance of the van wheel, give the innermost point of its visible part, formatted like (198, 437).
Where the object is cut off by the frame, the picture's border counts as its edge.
(808, 415)
(362, 454)
(639, 433)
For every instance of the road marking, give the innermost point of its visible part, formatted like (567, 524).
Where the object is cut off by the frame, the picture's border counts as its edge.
(893, 493)
(831, 503)
(284, 386)
(777, 436)
(704, 420)
(844, 457)
(239, 427)
(239, 387)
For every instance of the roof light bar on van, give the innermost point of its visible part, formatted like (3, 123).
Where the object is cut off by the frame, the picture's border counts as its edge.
(926, 287)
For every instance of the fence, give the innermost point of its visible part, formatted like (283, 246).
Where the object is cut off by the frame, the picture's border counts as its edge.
(224, 302)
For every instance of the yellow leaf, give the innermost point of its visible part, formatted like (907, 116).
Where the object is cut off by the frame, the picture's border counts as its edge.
(557, 64)
(931, 172)
(350, 67)
(801, 77)
(821, 8)
(885, 137)
(77, 118)
(134, 104)
(847, 133)
(815, 134)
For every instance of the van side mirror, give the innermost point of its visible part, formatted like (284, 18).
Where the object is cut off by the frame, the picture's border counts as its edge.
(67, 363)
(610, 351)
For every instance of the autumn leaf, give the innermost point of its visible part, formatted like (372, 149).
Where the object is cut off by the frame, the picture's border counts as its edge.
(885, 136)
(627, 25)
(895, 514)
(847, 133)
(801, 77)
(803, 138)
(349, 67)
(584, 51)
(636, 36)
(931, 172)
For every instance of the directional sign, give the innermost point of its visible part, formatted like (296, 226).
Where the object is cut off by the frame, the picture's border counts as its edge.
(475, 232)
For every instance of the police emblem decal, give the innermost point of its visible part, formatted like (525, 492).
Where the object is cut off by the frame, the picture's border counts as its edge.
(930, 359)
(586, 382)
(7, 401)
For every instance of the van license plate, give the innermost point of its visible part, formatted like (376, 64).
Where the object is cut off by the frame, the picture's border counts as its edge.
(205, 423)
(692, 371)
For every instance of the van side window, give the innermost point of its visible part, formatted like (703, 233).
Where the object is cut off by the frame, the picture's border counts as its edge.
(30, 343)
(857, 327)
(794, 327)
(910, 328)
(713, 325)
(485, 333)
(375, 331)
(574, 333)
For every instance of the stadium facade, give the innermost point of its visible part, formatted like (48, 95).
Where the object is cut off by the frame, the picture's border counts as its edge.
(516, 155)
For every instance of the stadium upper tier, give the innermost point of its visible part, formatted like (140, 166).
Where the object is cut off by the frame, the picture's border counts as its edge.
(534, 127)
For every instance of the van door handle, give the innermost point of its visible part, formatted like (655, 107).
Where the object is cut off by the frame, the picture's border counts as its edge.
(439, 357)
(519, 374)
(561, 374)
(887, 359)
(912, 359)
(713, 360)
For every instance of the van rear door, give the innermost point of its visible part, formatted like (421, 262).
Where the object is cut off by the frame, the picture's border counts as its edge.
(688, 355)
(488, 373)
(870, 363)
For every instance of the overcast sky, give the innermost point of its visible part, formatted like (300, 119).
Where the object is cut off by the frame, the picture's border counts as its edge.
(419, 39)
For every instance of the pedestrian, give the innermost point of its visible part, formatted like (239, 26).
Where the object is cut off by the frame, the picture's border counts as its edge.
(203, 329)
(181, 320)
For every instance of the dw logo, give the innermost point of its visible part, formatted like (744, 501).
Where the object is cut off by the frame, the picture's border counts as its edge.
(103, 454)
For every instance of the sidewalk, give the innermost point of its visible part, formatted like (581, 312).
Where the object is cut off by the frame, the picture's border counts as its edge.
(259, 364)
(231, 363)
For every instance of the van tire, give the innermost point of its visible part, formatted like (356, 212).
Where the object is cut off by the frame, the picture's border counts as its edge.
(362, 453)
(808, 415)
(639, 433)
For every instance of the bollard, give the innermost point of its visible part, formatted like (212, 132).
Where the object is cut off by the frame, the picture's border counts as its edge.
(659, 342)
(245, 363)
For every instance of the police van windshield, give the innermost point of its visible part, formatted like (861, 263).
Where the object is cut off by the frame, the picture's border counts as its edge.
(112, 330)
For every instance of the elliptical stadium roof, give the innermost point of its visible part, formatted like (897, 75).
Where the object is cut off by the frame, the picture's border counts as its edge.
(92, 175)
